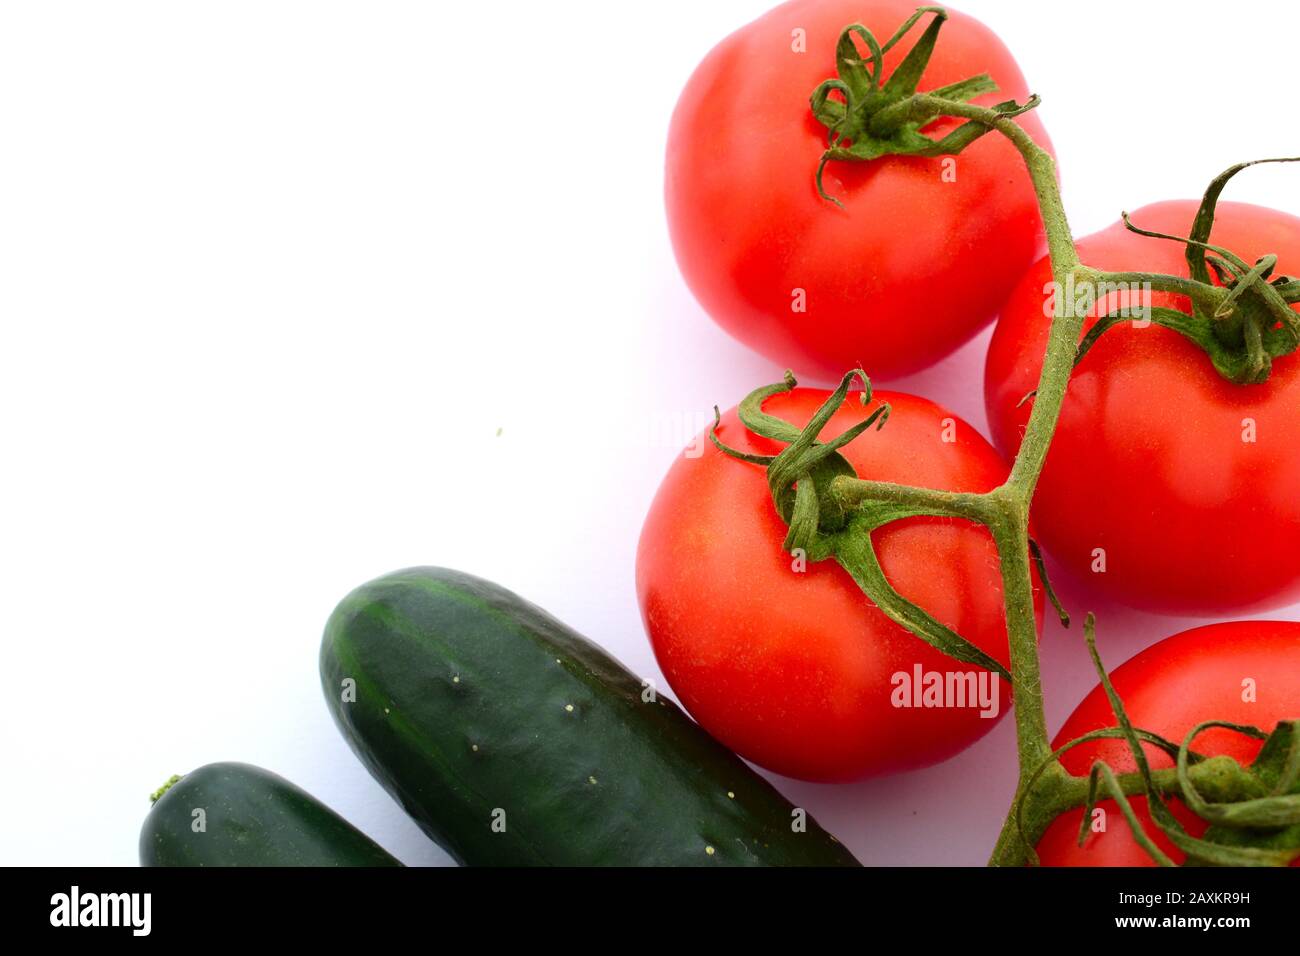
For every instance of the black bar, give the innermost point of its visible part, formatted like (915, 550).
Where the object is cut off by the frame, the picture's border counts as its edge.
(244, 906)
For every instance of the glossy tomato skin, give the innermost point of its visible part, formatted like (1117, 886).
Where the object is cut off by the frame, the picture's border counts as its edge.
(910, 268)
(1150, 462)
(1169, 688)
(792, 669)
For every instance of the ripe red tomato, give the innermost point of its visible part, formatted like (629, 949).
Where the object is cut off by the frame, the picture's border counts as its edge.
(794, 669)
(911, 267)
(1188, 484)
(1168, 689)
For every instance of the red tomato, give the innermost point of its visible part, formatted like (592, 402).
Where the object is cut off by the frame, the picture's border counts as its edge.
(1168, 689)
(794, 669)
(1188, 484)
(912, 266)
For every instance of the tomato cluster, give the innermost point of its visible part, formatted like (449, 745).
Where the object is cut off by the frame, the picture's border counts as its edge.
(1167, 486)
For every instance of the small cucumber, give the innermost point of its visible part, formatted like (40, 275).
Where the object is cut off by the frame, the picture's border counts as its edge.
(512, 740)
(235, 814)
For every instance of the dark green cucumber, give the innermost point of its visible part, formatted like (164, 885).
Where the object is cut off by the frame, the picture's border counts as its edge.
(251, 817)
(512, 740)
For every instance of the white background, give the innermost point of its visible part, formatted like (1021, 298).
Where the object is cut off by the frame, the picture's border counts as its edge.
(272, 277)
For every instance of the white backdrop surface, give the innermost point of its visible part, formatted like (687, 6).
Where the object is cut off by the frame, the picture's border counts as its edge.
(276, 276)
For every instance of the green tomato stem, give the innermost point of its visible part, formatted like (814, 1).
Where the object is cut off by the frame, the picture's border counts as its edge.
(1006, 509)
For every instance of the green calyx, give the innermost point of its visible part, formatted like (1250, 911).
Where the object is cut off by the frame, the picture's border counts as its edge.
(812, 484)
(800, 476)
(1244, 320)
(875, 116)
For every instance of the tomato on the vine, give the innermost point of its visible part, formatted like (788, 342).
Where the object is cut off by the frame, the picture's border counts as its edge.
(921, 253)
(1167, 486)
(1245, 672)
(790, 664)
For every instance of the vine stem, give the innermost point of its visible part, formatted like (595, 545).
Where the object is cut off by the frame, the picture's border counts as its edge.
(1005, 510)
